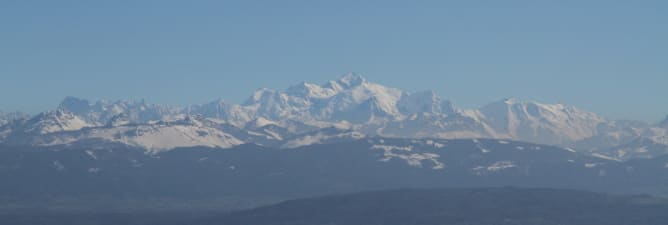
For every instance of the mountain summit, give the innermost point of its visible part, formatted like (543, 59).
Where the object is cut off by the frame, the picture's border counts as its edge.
(350, 103)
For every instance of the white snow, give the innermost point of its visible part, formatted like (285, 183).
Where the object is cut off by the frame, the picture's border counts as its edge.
(601, 156)
(591, 165)
(168, 137)
(56, 121)
(435, 144)
(91, 154)
(570, 149)
(390, 147)
(261, 122)
(350, 103)
(494, 167)
(404, 153)
(501, 165)
(273, 134)
(641, 150)
(58, 166)
(322, 138)
(153, 138)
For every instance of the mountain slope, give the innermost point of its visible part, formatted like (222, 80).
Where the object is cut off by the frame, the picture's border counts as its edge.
(348, 104)
(8, 117)
(549, 124)
(364, 164)
(482, 206)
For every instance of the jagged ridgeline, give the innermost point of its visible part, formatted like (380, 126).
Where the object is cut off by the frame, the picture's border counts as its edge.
(346, 135)
(345, 109)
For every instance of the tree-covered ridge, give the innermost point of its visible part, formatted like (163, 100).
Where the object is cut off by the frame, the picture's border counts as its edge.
(479, 206)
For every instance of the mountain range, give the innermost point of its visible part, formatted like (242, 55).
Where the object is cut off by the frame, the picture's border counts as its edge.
(346, 109)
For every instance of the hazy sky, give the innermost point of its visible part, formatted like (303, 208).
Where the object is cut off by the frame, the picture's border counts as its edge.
(610, 57)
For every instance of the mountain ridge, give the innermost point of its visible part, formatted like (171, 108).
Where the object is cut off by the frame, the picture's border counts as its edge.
(459, 206)
(350, 103)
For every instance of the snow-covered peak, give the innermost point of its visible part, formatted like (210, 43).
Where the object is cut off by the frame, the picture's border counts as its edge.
(525, 109)
(511, 101)
(262, 95)
(350, 102)
(352, 80)
(542, 123)
(101, 112)
(309, 90)
(351, 98)
(8, 117)
(55, 121)
(424, 102)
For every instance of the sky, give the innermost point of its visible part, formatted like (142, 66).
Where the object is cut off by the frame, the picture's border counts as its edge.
(607, 56)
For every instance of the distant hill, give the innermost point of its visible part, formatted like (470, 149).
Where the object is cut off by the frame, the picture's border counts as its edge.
(314, 170)
(481, 206)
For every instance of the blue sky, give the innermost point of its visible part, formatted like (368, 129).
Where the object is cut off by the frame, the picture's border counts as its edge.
(610, 57)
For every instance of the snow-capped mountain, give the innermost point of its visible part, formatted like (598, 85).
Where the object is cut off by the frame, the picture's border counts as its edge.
(7, 122)
(63, 128)
(348, 108)
(54, 121)
(351, 98)
(100, 112)
(542, 123)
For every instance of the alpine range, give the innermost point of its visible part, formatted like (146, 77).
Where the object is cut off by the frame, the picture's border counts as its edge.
(87, 160)
(453, 113)
(339, 111)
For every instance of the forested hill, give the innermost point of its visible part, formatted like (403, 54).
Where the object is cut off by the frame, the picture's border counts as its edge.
(483, 206)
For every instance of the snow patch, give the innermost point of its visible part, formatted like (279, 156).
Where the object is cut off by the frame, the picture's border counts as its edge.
(321, 138)
(601, 156)
(91, 154)
(413, 159)
(390, 147)
(494, 167)
(435, 144)
(590, 165)
(58, 166)
(501, 165)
